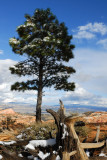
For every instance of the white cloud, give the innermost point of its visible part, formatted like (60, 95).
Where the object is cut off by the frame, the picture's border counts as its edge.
(82, 97)
(95, 27)
(91, 70)
(91, 77)
(1, 51)
(103, 42)
(84, 34)
(89, 30)
(6, 80)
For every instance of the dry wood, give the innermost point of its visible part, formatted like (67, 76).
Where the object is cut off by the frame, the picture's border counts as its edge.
(81, 153)
(97, 134)
(92, 145)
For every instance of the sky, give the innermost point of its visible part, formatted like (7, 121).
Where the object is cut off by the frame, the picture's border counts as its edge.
(86, 20)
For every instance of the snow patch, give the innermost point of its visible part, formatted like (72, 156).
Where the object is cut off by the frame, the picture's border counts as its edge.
(65, 133)
(20, 155)
(46, 39)
(35, 143)
(7, 143)
(42, 155)
(87, 153)
(35, 158)
(54, 152)
(58, 157)
(102, 155)
(14, 41)
(30, 157)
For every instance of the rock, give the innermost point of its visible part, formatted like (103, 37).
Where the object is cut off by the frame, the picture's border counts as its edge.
(97, 117)
(7, 111)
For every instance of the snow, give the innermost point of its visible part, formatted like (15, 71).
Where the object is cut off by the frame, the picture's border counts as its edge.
(35, 143)
(28, 46)
(46, 39)
(58, 41)
(88, 153)
(35, 158)
(1, 156)
(65, 133)
(28, 24)
(54, 152)
(37, 40)
(42, 155)
(20, 155)
(102, 155)
(30, 157)
(58, 157)
(20, 136)
(30, 146)
(14, 41)
(21, 26)
(7, 143)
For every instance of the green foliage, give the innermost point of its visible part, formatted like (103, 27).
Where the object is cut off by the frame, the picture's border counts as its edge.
(46, 44)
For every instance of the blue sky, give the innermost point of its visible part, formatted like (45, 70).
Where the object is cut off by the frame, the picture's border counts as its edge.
(86, 20)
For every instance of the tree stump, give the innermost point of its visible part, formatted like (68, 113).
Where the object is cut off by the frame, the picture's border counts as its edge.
(67, 141)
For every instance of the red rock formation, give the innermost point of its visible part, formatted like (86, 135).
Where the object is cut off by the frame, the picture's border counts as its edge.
(96, 117)
(9, 111)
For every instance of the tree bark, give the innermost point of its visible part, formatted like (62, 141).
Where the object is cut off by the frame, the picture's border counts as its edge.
(39, 97)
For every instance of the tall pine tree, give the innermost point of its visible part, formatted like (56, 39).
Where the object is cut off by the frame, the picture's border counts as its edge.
(46, 44)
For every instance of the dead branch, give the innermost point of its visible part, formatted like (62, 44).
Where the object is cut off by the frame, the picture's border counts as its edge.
(97, 134)
(92, 145)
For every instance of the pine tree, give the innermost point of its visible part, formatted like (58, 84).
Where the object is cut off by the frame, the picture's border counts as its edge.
(46, 44)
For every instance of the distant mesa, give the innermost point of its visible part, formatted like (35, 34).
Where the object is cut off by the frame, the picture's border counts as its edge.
(7, 111)
(97, 117)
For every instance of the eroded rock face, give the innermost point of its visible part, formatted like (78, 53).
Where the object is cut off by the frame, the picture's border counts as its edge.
(96, 117)
(19, 118)
(7, 111)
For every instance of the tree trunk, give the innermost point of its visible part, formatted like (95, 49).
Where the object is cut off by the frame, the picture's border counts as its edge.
(38, 107)
(39, 97)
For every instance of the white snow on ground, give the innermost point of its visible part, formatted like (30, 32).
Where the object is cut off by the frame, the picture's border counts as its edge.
(1, 156)
(55, 152)
(7, 143)
(20, 136)
(30, 157)
(87, 153)
(102, 155)
(35, 158)
(35, 143)
(42, 155)
(20, 155)
(58, 158)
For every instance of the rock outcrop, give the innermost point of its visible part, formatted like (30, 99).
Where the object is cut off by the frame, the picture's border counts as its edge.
(97, 117)
(7, 111)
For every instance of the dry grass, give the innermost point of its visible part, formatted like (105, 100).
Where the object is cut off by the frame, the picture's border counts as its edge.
(40, 131)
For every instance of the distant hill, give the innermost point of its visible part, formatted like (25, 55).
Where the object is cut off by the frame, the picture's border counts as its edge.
(30, 108)
(84, 108)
